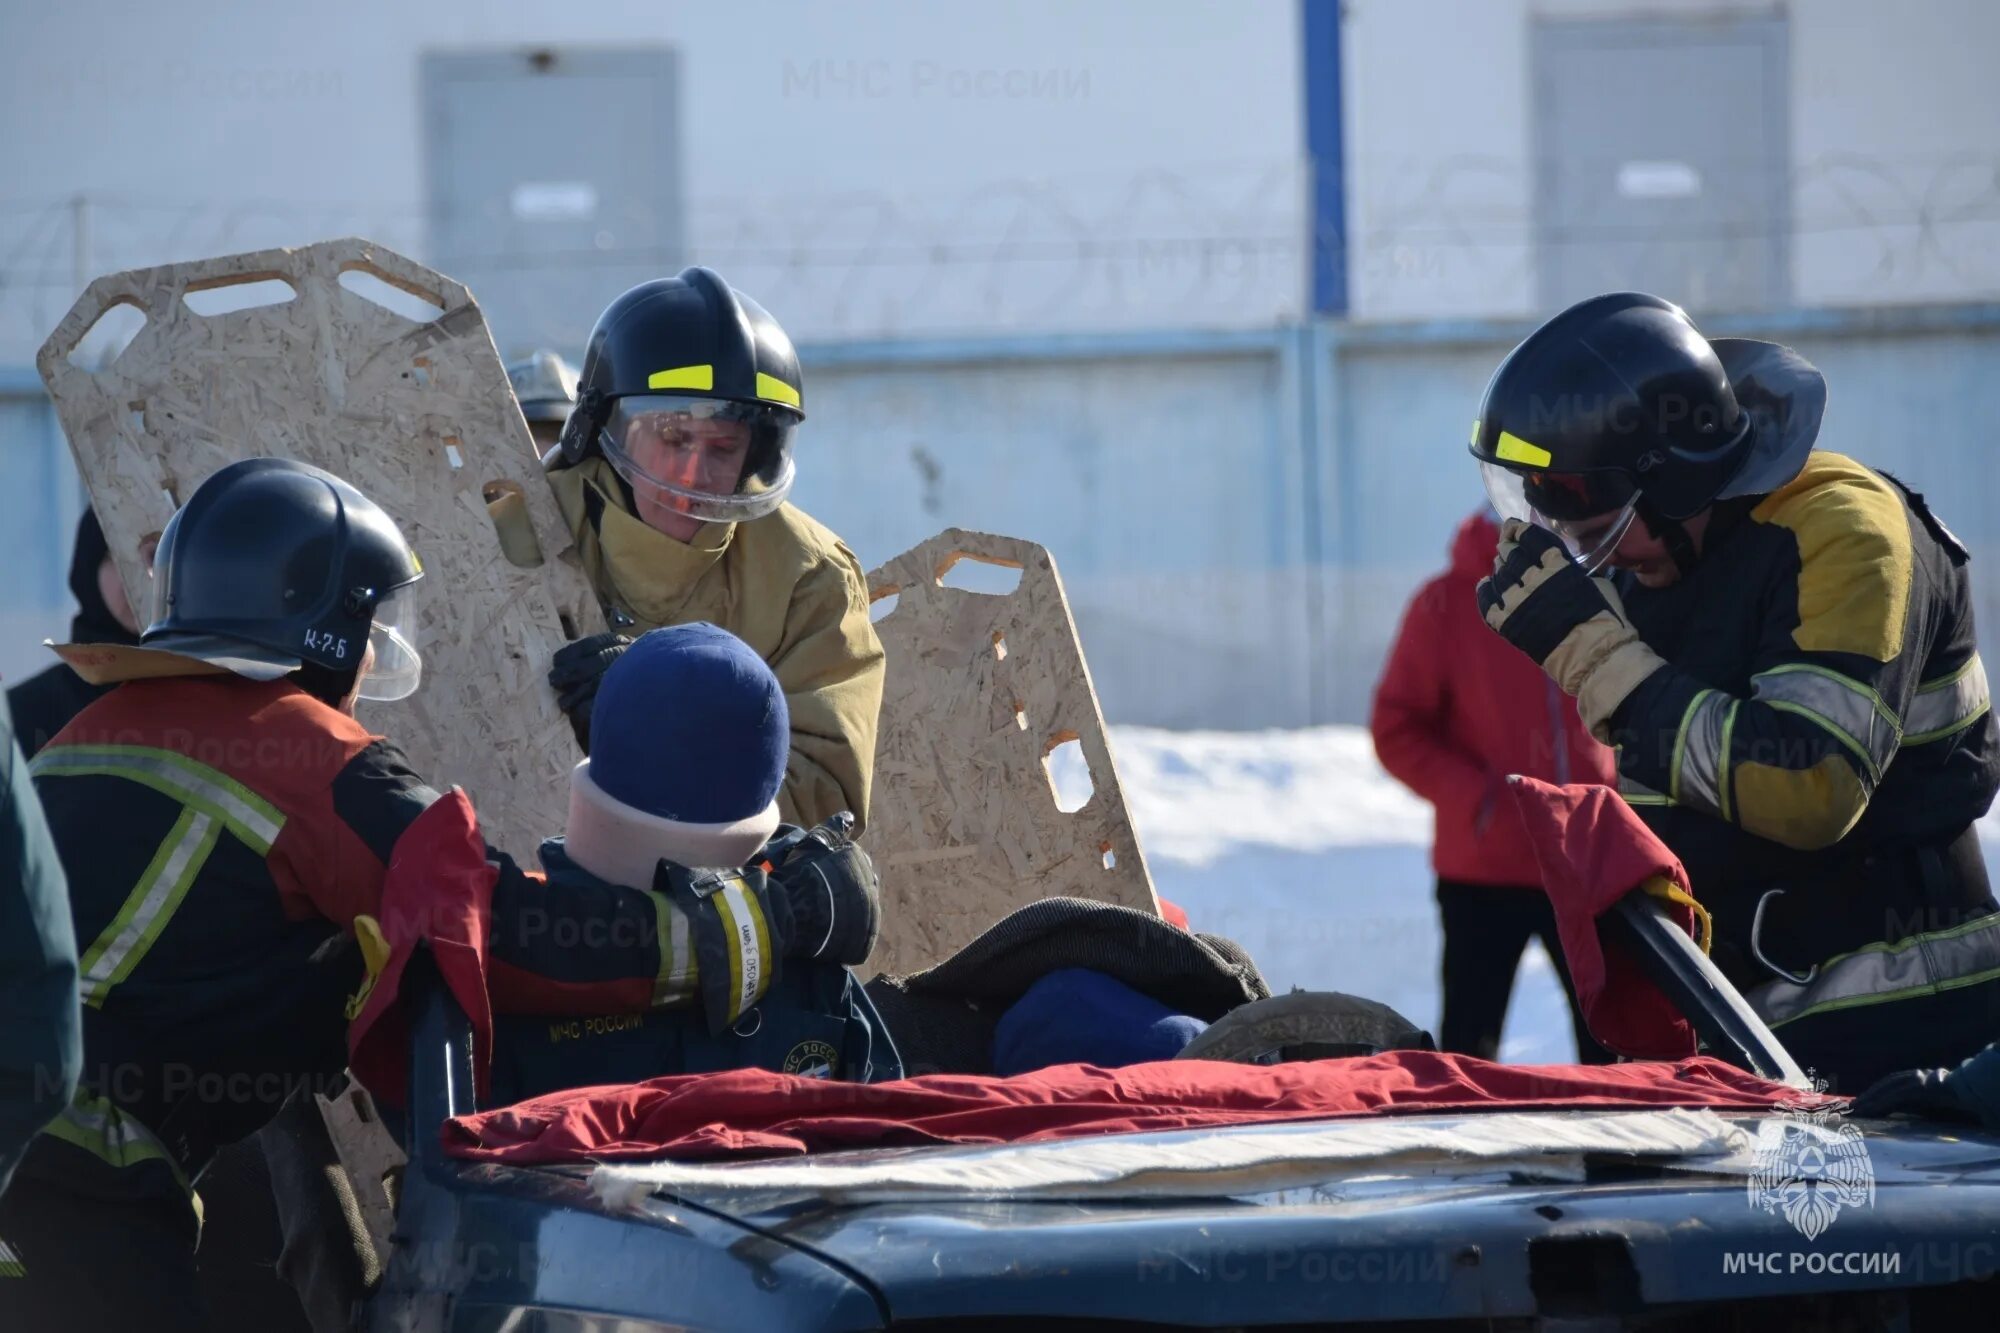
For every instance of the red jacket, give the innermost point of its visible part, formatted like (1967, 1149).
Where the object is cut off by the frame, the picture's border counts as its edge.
(1459, 708)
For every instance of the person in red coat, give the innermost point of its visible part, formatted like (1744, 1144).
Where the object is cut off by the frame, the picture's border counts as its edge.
(1453, 716)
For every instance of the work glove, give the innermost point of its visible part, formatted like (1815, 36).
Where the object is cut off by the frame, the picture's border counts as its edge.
(574, 674)
(1573, 625)
(811, 894)
(832, 891)
(1969, 1094)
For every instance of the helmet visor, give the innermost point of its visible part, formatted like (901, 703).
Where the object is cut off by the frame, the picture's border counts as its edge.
(1589, 512)
(393, 668)
(711, 459)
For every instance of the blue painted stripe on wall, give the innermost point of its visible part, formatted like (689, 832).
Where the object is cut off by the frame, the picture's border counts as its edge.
(1320, 39)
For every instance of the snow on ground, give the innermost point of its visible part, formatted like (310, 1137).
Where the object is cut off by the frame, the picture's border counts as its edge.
(1298, 846)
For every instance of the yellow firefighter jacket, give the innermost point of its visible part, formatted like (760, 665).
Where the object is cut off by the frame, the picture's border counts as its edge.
(783, 584)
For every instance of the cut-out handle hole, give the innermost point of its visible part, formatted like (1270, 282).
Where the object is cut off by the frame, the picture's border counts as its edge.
(373, 285)
(1110, 857)
(1069, 772)
(999, 646)
(451, 453)
(981, 574)
(1020, 716)
(225, 296)
(507, 506)
(882, 603)
(108, 336)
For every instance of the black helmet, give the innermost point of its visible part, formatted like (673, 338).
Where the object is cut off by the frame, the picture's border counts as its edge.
(272, 565)
(679, 365)
(1618, 406)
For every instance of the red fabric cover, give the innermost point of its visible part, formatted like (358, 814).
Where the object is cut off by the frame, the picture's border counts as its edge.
(1594, 849)
(757, 1113)
(438, 891)
(1174, 914)
(1458, 708)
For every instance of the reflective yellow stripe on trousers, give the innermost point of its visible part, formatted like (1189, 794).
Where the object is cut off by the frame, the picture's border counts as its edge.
(109, 1134)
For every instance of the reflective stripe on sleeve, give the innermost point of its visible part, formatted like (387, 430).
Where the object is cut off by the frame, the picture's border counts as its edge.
(1854, 714)
(1943, 708)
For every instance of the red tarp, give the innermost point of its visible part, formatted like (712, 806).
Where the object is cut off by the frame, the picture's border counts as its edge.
(1594, 849)
(756, 1113)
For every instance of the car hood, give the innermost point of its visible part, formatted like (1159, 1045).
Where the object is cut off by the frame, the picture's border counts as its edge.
(1469, 1216)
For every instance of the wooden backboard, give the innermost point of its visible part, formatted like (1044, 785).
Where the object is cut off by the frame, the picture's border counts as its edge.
(981, 690)
(417, 413)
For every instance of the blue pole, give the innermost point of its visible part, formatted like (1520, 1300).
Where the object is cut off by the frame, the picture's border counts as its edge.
(1320, 33)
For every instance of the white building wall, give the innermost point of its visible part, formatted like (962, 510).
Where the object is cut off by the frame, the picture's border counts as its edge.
(1894, 134)
(897, 168)
(965, 167)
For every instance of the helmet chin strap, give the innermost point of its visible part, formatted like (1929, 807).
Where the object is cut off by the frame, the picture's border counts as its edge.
(1680, 547)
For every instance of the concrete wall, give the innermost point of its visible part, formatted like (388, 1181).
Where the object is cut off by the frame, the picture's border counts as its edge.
(1892, 115)
(1239, 517)
(908, 168)
(966, 168)
(1164, 473)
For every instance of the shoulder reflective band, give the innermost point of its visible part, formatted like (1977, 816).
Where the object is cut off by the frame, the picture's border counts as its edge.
(1921, 965)
(210, 802)
(249, 816)
(1851, 712)
(1949, 705)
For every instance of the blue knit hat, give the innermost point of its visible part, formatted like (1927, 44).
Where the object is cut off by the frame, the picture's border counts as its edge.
(689, 736)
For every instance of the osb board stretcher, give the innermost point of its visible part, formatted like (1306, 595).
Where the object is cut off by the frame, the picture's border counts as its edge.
(981, 689)
(417, 414)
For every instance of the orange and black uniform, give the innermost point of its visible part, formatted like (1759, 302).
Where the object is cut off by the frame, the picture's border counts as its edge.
(220, 837)
(1823, 727)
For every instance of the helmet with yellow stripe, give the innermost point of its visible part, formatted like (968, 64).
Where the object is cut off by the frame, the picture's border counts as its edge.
(1617, 408)
(691, 391)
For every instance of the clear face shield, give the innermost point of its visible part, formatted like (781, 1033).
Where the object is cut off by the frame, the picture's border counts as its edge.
(1589, 513)
(394, 668)
(709, 459)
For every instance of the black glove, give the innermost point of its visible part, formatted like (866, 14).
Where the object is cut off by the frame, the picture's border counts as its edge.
(574, 673)
(1573, 625)
(1969, 1093)
(832, 893)
(1929, 1093)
